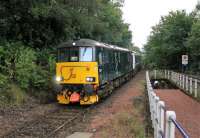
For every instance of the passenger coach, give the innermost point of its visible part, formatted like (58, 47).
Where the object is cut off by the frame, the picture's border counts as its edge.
(88, 70)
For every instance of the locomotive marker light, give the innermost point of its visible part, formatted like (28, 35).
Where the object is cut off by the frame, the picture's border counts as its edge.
(90, 79)
(58, 78)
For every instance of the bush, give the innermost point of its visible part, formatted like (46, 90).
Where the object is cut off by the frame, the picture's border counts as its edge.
(13, 95)
(26, 68)
(39, 78)
(3, 81)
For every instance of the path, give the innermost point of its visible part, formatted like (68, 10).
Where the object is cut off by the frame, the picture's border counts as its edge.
(120, 101)
(187, 110)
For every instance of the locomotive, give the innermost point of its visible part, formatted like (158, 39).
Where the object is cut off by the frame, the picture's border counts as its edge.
(88, 70)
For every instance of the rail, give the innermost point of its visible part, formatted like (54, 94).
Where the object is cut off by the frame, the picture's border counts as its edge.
(182, 131)
(188, 83)
(163, 121)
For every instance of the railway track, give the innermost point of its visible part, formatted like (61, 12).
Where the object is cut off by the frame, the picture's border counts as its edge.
(50, 124)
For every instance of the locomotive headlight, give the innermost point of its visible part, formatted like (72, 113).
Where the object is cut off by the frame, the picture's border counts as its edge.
(90, 79)
(58, 78)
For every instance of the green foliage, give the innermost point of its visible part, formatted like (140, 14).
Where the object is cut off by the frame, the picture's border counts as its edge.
(13, 95)
(16, 95)
(46, 23)
(24, 66)
(177, 33)
(193, 45)
(167, 41)
(3, 81)
(136, 49)
(31, 29)
(19, 63)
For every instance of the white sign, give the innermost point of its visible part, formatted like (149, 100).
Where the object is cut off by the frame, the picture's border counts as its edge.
(184, 59)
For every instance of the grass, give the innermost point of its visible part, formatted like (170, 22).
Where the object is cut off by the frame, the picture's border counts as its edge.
(124, 125)
(129, 124)
(12, 96)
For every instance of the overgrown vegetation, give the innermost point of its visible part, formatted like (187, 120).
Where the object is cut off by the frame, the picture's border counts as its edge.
(130, 124)
(124, 125)
(30, 30)
(176, 34)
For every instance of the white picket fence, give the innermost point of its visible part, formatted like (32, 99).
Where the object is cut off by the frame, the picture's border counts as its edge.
(185, 82)
(163, 121)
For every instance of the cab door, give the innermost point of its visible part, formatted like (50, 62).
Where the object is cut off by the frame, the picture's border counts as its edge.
(101, 65)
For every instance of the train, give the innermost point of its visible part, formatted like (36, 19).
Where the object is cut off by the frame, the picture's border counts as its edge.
(88, 70)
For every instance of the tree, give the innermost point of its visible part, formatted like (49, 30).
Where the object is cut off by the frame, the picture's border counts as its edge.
(167, 41)
(193, 45)
(31, 29)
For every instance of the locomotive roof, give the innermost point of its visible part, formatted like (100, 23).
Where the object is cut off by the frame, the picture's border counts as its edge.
(92, 43)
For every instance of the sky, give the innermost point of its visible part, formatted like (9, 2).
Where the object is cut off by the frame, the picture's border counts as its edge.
(143, 14)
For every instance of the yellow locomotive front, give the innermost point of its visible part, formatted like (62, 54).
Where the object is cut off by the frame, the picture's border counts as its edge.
(77, 73)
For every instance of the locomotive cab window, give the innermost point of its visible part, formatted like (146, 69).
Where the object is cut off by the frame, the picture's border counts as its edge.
(75, 54)
(86, 54)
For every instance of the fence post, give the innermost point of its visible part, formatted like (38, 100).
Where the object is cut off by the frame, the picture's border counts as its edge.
(177, 79)
(186, 83)
(190, 85)
(151, 104)
(195, 88)
(154, 74)
(161, 112)
(172, 76)
(156, 129)
(183, 81)
(165, 74)
(168, 74)
(152, 108)
(180, 80)
(170, 127)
